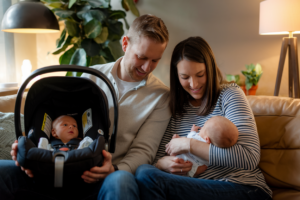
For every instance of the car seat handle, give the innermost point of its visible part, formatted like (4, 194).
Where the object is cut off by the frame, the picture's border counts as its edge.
(57, 68)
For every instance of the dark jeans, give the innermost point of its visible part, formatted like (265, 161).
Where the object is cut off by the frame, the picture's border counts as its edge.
(156, 184)
(15, 184)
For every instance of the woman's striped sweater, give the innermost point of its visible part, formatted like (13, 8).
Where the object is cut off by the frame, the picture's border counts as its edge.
(237, 164)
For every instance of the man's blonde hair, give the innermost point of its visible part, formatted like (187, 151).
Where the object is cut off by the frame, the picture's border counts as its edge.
(149, 26)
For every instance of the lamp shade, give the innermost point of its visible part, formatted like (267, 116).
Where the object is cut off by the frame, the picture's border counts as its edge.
(29, 17)
(279, 17)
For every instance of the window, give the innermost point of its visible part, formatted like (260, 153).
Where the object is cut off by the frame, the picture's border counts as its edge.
(7, 50)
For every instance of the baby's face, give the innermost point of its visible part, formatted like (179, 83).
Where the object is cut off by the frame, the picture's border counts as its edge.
(65, 129)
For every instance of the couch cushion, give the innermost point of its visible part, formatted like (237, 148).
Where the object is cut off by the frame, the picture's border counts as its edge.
(7, 133)
(287, 194)
(278, 124)
(7, 103)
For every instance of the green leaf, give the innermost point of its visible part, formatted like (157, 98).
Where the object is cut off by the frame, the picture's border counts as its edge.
(258, 77)
(83, 8)
(65, 58)
(79, 57)
(75, 40)
(115, 30)
(71, 3)
(64, 13)
(102, 37)
(126, 23)
(63, 47)
(132, 7)
(97, 60)
(55, 5)
(237, 78)
(105, 52)
(98, 15)
(117, 14)
(85, 16)
(115, 49)
(61, 39)
(72, 28)
(229, 77)
(248, 85)
(98, 3)
(51, 1)
(250, 67)
(91, 47)
(92, 29)
(89, 15)
(125, 5)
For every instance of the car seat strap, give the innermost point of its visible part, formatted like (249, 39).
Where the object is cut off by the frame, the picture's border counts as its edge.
(58, 171)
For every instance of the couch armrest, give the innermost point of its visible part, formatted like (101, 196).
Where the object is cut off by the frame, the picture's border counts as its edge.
(7, 103)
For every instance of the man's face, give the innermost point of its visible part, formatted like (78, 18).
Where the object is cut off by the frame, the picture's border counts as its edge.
(65, 129)
(140, 59)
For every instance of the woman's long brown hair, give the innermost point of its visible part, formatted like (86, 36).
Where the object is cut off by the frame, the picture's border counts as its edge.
(194, 49)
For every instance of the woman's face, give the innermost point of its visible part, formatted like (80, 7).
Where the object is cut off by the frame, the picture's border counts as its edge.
(192, 77)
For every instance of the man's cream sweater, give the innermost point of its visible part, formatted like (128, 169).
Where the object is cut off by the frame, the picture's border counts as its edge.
(143, 118)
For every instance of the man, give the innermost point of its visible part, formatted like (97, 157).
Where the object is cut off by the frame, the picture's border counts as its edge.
(143, 117)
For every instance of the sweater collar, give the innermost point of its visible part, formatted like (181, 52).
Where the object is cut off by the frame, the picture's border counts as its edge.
(114, 70)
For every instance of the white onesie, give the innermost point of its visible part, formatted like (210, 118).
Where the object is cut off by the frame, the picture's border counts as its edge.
(192, 158)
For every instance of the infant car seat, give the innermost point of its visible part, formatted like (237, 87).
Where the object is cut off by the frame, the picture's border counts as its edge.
(51, 97)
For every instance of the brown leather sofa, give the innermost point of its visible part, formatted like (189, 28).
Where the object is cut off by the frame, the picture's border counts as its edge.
(278, 124)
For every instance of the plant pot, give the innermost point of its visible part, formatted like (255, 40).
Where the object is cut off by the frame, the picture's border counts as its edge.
(251, 91)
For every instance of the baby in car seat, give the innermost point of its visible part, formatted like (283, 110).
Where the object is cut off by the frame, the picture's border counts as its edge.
(65, 132)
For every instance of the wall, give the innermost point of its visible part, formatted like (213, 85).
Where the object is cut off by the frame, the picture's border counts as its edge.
(230, 27)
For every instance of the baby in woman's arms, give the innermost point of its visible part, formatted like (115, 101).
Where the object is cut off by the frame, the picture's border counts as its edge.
(218, 130)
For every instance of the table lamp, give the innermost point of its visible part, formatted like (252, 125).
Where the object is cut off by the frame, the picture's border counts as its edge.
(280, 17)
(29, 16)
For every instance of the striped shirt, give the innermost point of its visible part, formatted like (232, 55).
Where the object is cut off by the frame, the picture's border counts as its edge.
(237, 164)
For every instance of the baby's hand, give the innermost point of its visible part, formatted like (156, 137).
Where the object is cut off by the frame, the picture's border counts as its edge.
(195, 128)
(175, 136)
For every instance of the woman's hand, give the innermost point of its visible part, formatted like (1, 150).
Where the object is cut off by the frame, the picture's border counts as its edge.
(178, 146)
(174, 165)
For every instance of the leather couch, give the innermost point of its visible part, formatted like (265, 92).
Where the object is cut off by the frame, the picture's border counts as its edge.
(278, 124)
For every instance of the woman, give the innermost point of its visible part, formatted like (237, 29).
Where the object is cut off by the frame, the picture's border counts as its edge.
(197, 94)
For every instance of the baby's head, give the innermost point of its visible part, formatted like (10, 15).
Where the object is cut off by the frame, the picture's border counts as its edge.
(219, 131)
(64, 128)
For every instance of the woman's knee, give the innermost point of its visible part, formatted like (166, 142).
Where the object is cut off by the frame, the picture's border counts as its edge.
(147, 175)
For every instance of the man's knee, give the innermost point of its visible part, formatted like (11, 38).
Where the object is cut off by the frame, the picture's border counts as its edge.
(120, 178)
(8, 168)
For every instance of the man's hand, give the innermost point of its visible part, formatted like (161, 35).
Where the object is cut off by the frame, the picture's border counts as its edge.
(14, 153)
(97, 173)
(178, 146)
(174, 165)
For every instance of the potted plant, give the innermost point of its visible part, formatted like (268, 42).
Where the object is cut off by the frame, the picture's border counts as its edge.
(233, 78)
(252, 74)
(92, 31)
